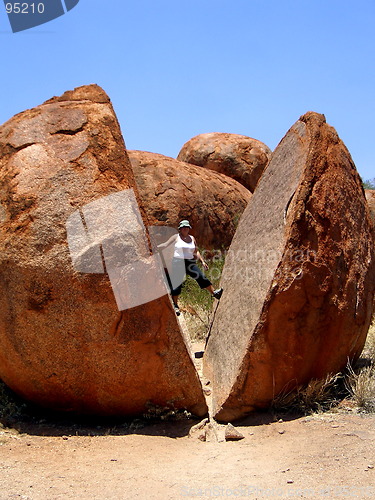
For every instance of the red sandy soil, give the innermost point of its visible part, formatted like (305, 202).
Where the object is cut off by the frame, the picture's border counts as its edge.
(329, 456)
(324, 456)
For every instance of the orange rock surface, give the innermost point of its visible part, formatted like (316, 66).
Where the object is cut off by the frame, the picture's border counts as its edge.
(64, 343)
(236, 156)
(299, 277)
(172, 190)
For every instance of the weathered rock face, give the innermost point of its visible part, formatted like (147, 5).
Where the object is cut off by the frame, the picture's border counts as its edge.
(171, 190)
(370, 197)
(237, 156)
(299, 277)
(63, 341)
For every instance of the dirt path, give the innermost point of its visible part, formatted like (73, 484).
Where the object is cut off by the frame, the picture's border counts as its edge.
(330, 456)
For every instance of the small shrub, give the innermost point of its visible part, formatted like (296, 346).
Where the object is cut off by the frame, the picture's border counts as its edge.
(369, 184)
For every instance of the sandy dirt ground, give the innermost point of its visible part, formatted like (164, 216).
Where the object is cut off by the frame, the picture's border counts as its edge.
(324, 456)
(328, 456)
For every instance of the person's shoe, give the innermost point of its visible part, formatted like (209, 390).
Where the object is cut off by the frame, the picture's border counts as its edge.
(177, 310)
(218, 293)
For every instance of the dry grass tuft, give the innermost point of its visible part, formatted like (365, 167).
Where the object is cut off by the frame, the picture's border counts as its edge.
(316, 396)
(361, 387)
(369, 349)
(360, 382)
(197, 320)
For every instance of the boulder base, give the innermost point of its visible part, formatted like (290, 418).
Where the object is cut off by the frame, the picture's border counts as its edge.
(299, 277)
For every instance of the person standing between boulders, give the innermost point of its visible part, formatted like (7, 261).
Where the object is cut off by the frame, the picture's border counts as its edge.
(184, 262)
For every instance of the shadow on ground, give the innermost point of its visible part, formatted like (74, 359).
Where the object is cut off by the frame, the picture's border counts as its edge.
(40, 422)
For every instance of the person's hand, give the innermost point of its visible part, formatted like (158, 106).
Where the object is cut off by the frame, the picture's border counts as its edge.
(205, 265)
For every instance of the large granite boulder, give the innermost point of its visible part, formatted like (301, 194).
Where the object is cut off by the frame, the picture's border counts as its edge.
(299, 276)
(237, 156)
(85, 323)
(370, 197)
(171, 190)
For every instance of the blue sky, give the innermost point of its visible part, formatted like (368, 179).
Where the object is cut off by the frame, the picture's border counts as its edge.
(175, 69)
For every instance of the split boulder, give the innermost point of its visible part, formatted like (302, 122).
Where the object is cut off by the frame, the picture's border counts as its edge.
(172, 190)
(299, 276)
(236, 156)
(76, 333)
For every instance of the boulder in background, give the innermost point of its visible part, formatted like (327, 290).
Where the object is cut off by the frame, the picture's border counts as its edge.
(236, 156)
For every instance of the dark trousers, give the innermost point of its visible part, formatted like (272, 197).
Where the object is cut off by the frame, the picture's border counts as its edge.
(192, 270)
